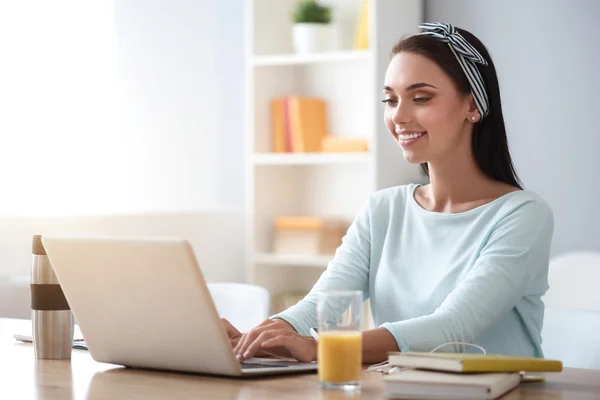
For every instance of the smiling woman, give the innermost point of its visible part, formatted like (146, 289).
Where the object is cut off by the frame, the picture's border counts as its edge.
(455, 89)
(463, 260)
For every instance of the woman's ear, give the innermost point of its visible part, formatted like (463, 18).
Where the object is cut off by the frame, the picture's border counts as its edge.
(473, 113)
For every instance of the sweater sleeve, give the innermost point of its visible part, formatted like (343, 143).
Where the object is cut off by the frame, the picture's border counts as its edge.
(349, 270)
(515, 254)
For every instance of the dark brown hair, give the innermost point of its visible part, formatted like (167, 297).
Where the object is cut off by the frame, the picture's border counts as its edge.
(489, 143)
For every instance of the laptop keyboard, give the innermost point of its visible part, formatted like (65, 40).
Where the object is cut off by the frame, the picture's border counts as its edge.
(249, 365)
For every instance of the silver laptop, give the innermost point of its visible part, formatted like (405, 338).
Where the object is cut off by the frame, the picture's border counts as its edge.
(144, 303)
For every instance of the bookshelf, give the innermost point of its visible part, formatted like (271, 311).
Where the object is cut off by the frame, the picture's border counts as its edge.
(316, 184)
(315, 58)
(310, 158)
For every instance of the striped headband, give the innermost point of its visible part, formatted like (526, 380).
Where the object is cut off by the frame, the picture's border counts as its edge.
(467, 57)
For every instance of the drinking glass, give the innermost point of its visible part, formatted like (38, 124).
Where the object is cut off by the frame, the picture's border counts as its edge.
(340, 339)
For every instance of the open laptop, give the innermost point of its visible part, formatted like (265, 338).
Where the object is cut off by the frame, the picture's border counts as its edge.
(144, 303)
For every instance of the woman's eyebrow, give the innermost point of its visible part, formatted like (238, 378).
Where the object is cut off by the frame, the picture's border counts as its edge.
(410, 87)
(418, 86)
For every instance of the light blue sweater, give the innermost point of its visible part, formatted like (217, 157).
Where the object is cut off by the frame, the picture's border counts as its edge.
(433, 278)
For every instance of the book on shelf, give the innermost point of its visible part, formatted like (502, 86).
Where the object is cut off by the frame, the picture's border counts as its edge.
(306, 235)
(361, 37)
(334, 144)
(467, 362)
(412, 383)
(298, 124)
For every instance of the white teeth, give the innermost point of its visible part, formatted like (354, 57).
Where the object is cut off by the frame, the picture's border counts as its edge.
(410, 136)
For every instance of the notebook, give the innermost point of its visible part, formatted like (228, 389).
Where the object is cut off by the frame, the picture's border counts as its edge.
(78, 342)
(411, 383)
(466, 362)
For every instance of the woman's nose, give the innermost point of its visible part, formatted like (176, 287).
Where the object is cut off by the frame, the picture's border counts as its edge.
(401, 114)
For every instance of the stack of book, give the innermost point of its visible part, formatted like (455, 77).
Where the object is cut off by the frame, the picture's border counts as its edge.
(459, 376)
(308, 235)
(299, 125)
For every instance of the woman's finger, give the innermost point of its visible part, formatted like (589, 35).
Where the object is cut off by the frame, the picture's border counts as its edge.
(301, 348)
(256, 345)
(239, 343)
(232, 332)
(279, 341)
(250, 337)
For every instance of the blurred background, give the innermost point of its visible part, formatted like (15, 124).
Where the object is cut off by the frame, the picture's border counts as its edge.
(172, 118)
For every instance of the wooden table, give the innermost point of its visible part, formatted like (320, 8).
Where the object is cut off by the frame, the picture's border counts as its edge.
(23, 377)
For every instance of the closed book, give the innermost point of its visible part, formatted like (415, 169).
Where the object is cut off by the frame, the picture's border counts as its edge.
(467, 362)
(278, 126)
(410, 384)
(308, 235)
(298, 124)
(308, 122)
(304, 242)
(361, 37)
(298, 223)
(332, 144)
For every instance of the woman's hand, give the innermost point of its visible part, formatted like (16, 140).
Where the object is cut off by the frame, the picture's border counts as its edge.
(232, 332)
(278, 338)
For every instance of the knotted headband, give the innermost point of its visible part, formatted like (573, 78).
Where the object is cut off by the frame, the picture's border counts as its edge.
(467, 57)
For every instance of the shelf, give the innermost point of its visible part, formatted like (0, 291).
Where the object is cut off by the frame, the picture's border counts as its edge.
(314, 58)
(309, 158)
(292, 260)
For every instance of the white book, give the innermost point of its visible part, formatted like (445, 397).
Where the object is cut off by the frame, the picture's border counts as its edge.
(419, 384)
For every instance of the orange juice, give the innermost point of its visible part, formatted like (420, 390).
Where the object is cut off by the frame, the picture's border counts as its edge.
(340, 356)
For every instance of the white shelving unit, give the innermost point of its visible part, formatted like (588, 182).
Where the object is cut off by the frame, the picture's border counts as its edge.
(316, 58)
(310, 158)
(334, 185)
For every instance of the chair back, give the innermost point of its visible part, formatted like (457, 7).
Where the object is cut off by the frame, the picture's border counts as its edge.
(572, 316)
(244, 305)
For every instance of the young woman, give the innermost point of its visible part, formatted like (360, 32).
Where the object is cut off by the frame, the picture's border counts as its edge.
(462, 259)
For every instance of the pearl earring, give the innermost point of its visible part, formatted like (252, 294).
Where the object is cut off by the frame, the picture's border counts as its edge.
(473, 118)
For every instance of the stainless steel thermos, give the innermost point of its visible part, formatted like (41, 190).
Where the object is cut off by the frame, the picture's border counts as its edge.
(51, 317)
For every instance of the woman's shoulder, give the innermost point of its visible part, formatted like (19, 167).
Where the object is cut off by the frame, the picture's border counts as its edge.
(523, 209)
(526, 200)
(395, 196)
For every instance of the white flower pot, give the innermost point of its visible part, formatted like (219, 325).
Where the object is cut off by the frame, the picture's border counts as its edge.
(312, 38)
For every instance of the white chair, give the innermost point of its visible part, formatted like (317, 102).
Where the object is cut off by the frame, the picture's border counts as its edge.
(572, 317)
(244, 305)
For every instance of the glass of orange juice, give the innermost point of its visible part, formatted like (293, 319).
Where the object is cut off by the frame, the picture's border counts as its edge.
(340, 339)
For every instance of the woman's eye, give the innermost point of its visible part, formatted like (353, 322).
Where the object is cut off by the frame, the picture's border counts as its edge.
(421, 99)
(390, 102)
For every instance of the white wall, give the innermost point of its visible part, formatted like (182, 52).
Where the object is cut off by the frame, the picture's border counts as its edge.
(181, 70)
(117, 107)
(547, 56)
(122, 118)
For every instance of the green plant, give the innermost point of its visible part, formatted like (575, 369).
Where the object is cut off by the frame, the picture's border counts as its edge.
(309, 11)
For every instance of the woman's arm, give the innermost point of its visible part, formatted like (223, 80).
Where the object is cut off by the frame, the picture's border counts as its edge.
(349, 270)
(515, 254)
(279, 338)
(376, 344)
(514, 257)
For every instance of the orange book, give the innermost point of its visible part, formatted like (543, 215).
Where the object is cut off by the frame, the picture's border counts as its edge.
(298, 223)
(331, 144)
(298, 124)
(361, 38)
(308, 123)
(278, 125)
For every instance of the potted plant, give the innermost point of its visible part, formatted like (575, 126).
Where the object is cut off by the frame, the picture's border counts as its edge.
(312, 30)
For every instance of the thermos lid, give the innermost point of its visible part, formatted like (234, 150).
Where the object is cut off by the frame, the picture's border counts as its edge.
(37, 248)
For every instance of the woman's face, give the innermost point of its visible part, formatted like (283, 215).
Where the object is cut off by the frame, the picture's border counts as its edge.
(424, 111)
